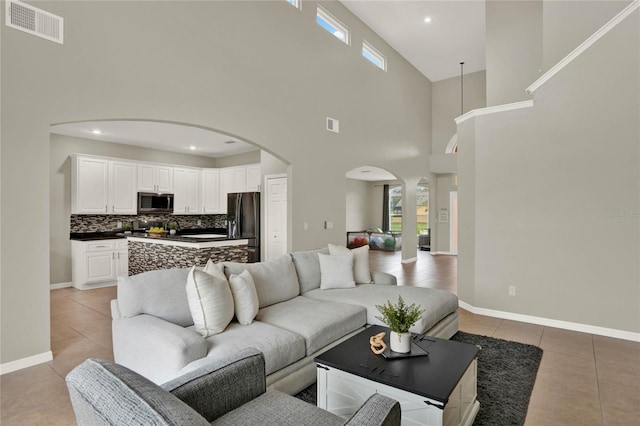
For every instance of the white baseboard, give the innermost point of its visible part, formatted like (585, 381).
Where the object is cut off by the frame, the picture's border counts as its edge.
(29, 361)
(566, 325)
(413, 259)
(59, 285)
(444, 253)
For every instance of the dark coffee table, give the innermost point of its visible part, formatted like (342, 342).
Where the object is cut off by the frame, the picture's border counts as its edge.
(434, 389)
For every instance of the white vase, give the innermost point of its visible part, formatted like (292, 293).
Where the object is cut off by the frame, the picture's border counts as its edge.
(400, 342)
(172, 231)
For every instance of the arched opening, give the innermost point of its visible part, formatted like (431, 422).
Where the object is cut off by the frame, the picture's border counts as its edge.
(137, 141)
(452, 145)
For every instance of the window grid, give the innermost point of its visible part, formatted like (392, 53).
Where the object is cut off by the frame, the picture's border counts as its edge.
(332, 25)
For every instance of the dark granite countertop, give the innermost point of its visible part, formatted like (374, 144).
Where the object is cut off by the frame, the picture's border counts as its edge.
(182, 235)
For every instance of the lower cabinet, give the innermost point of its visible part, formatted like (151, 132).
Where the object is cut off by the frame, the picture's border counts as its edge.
(98, 263)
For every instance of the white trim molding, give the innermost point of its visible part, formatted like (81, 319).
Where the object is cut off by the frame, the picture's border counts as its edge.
(58, 286)
(584, 46)
(413, 259)
(443, 253)
(493, 109)
(29, 361)
(548, 322)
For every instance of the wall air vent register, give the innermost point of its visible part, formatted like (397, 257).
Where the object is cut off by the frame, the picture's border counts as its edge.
(32, 20)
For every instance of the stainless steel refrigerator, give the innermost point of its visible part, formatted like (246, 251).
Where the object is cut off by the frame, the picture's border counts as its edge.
(243, 220)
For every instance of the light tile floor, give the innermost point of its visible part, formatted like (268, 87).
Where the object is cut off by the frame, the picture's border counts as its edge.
(583, 379)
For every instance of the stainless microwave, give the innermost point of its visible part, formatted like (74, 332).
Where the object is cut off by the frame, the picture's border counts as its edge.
(151, 202)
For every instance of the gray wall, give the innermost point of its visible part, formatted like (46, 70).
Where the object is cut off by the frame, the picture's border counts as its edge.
(60, 187)
(262, 70)
(252, 157)
(568, 23)
(446, 105)
(360, 215)
(550, 195)
(513, 49)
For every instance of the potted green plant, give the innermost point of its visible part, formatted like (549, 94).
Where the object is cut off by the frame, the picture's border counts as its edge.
(399, 318)
(173, 226)
(127, 227)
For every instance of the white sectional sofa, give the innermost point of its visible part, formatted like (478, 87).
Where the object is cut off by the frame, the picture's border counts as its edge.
(153, 332)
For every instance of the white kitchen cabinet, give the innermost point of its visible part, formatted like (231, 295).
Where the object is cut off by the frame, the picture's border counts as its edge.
(98, 263)
(155, 178)
(253, 177)
(238, 179)
(186, 191)
(103, 186)
(211, 191)
(123, 196)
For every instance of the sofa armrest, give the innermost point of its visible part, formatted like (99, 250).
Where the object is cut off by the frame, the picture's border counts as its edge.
(155, 348)
(383, 278)
(115, 309)
(377, 410)
(221, 387)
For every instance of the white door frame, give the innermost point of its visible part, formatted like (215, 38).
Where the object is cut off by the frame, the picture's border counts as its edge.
(265, 239)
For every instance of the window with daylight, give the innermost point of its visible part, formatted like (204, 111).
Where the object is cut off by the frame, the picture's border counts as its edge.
(295, 3)
(372, 55)
(332, 25)
(422, 209)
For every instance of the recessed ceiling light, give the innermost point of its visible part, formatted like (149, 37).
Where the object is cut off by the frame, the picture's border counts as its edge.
(230, 142)
(192, 147)
(427, 19)
(96, 131)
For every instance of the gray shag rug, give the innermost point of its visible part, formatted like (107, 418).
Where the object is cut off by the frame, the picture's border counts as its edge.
(506, 375)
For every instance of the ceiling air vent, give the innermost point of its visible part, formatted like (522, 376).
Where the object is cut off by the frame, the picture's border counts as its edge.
(32, 20)
(333, 125)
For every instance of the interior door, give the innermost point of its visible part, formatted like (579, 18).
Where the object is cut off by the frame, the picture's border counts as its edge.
(276, 217)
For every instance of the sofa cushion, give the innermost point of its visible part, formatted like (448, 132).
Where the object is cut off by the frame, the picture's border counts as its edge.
(436, 303)
(320, 323)
(280, 347)
(336, 271)
(276, 408)
(275, 280)
(210, 302)
(308, 268)
(160, 293)
(245, 298)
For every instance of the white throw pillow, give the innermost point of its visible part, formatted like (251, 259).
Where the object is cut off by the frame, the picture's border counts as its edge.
(215, 269)
(336, 271)
(210, 302)
(245, 297)
(361, 268)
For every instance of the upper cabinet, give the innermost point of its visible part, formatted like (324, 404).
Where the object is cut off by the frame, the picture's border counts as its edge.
(238, 179)
(253, 178)
(103, 186)
(211, 192)
(155, 178)
(186, 191)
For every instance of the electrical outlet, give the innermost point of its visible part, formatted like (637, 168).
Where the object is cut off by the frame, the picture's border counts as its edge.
(512, 290)
(329, 225)
(118, 224)
(305, 226)
(199, 222)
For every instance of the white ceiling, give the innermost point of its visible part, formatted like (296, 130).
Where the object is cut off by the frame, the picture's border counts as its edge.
(157, 135)
(455, 33)
(370, 173)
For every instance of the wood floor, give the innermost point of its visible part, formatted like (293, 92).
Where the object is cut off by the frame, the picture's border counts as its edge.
(583, 379)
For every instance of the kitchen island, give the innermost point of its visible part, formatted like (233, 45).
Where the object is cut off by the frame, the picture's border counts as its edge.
(151, 252)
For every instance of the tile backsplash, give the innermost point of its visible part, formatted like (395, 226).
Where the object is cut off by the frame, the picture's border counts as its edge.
(106, 223)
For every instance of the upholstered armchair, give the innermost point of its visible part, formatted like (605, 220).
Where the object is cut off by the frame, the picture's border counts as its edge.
(230, 393)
